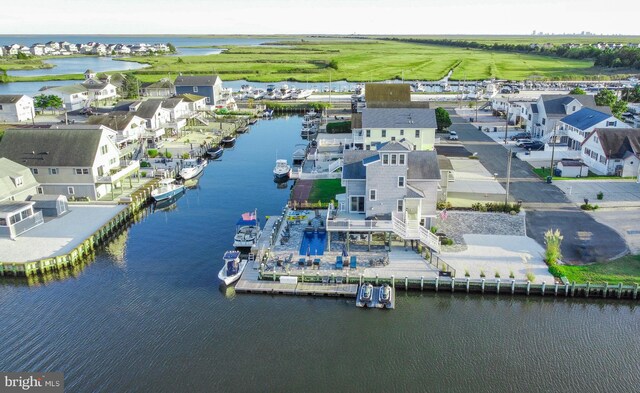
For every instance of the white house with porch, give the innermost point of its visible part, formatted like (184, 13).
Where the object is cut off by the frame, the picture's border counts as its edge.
(69, 160)
(612, 151)
(393, 189)
(577, 126)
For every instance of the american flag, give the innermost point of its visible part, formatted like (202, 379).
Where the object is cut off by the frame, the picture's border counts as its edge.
(248, 216)
(443, 214)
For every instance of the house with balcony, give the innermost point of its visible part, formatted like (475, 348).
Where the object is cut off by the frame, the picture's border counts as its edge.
(550, 108)
(612, 151)
(78, 162)
(16, 181)
(15, 108)
(574, 128)
(162, 88)
(373, 126)
(208, 86)
(73, 97)
(128, 126)
(99, 89)
(392, 189)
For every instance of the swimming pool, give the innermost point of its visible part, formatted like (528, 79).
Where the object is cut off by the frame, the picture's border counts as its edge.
(313, 242)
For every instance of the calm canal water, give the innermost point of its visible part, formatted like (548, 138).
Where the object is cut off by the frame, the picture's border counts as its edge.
(148, 315)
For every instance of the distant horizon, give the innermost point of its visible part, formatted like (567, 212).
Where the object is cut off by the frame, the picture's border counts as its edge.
(334, 17)
(314, 34)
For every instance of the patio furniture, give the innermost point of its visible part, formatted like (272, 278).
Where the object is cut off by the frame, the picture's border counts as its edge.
(301, 262)
(353, 262)
(316, 262)
(339, 262)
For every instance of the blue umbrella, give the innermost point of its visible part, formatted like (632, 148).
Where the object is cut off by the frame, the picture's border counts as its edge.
(309, 251)
(344, 252)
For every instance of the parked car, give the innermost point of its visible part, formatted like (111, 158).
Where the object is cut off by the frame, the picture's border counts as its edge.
(521, 142)
(521, 135)
(534, 145)
(453, 136)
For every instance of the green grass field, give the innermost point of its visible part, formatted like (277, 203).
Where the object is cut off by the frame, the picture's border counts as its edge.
(543, 173)
(363, 60)
(325, 190)
(625, 270)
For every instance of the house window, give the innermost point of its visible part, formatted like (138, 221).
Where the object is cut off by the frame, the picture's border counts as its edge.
(543, 121)
(384, 133)
(357, 204)
(612, 123)
(417, 133)
(400, 206)
(0, 107)
(100, 171)
(401, 132)
(195, 89)
(595, 139)
(529, 117)
(603, 160)
(394, 159)
(53, 171)
(372, 195)
(34, 171)
(401, 159)
(574, 108)
(208, 100)
(3, 222)
(587, 151)
(393, 138)
(104, 149)
(112, 161)
(18, 181)
(368, 132)
(385, 159)
(40, 190)
(400, 181)
(82, 171)
(71, 190)
(368, 147)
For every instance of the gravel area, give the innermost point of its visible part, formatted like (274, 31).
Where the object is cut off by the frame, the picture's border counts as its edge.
(460, 223)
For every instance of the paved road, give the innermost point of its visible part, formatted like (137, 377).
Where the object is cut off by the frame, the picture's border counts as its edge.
(585, 240)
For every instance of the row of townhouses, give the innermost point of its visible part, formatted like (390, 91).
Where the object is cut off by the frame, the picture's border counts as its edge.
(64, 48)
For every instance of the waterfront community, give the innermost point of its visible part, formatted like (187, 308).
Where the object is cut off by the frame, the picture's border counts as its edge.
(364, 194)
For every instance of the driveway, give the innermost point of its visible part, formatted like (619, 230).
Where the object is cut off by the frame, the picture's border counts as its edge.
(585, 240)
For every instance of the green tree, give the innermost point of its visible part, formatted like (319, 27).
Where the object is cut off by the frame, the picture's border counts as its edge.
(130, 86)
(22, 56)
(577, 91)
(172, 48)
(609, 98)
(44, 101)
(442, 118)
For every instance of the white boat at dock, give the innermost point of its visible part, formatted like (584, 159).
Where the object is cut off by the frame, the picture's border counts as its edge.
(192, 168)
(166, 189)
(232, 268)
(248, 231)
(282, 170)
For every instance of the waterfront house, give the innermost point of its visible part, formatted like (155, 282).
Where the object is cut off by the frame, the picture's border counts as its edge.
(73, 97)
(75, 161)
(15, 108)
(162, 88)
(378, 125)
(128, 126)
(18, 217)
(209, 86)
(393, 189)
(16, 181)
(574, 128)
(37, 49)
(552, 107)
(612, 151)
(98, 89)
(152, 112)
(517, 111)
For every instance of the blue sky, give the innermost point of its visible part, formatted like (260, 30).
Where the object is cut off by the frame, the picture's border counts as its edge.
(323, 17)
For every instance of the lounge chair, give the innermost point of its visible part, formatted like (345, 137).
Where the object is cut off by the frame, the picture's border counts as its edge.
(353, 262)
(301, 262)
(339, 262)
(316, 262)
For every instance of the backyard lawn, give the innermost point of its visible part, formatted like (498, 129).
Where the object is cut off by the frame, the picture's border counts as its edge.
(624, 270)
(325, 190)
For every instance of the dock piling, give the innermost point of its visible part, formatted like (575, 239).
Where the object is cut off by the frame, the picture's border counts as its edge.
(528, 287)
(513, 286)
(544, 285)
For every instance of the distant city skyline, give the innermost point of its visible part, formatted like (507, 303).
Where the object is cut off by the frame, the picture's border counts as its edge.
(327, 17)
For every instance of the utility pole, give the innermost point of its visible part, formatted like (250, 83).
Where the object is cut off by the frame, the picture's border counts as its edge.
(506, 123)
(553, 150)
(506, 198)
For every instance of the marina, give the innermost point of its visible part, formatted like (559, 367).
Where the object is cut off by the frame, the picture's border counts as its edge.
(154, 292)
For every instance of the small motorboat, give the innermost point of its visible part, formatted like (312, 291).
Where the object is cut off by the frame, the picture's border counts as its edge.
(167, 188)
(366, 293)
(232, 268)
(282, 170)
(228, 141)
(384, 296)
(215, 152)
(192, 168)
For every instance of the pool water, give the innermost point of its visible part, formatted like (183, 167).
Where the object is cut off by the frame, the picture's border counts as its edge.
(313, 243)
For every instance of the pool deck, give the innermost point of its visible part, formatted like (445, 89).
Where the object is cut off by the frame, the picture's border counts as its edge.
(58, 236)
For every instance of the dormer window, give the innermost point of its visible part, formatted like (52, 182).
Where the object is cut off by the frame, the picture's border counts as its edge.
(195, 89)
(18, 181)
